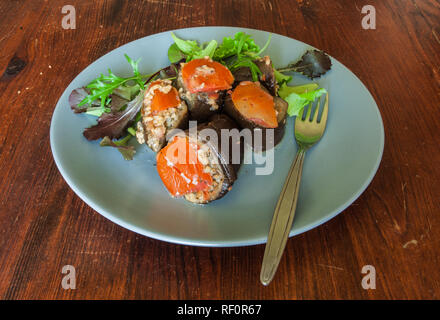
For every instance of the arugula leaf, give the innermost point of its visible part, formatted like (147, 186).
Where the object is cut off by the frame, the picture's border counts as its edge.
(297, 101)
(126, 150)
(265, 45)
(103, 86)
(134, 65)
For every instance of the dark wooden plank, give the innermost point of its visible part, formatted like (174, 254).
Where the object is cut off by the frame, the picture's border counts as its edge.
(393, 225)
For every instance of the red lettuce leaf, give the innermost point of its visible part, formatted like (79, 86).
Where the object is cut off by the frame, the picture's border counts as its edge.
(313, 64)
(114, 124)
(76, 96)
(117, 103)
(127, 151)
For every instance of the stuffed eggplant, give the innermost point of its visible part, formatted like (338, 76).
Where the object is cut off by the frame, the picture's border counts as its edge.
(202, 84)
(267, 76)
(253, 107)
(195, 167)
(162, 111)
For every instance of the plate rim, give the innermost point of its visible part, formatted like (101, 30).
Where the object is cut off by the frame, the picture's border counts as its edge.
(203, 243)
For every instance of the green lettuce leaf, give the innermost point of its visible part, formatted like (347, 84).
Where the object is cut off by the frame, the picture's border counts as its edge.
(174, 54)
(299, 97)
(281, 78)
(239, 43)
(286, 90)
(189, 49)
(208, 51)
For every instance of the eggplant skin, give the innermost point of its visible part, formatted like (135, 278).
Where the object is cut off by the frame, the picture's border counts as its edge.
(217, 123)
(267, 77)
(201, 107)
(280, 106)
(242, 74)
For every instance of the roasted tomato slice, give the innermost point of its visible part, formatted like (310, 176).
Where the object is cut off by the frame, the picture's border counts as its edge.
(180, 170)
(163, 100)
(206, 75)
(255, 104)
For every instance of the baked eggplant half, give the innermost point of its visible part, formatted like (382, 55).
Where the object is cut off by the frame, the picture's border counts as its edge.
(253, 107)
(202, 83)
(195, 167)
(267, 77)
(162, 111)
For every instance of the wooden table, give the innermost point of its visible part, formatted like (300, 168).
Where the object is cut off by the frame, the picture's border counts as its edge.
(393, 226)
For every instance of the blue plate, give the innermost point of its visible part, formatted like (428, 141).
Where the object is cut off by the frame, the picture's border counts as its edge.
(130, 193)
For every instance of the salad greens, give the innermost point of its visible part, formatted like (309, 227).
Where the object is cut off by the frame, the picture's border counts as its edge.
(312, 64)
(103, 86)
(117, 101)
(114, 124)
(189, 49)
(239, 43)
(281, 78)
(299, 96)
(234, 52)
(126, 150)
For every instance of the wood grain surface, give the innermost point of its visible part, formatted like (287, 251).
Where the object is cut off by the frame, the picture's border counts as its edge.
(393, 226)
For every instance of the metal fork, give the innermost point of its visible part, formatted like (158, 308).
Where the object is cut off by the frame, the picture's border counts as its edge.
(307, 133)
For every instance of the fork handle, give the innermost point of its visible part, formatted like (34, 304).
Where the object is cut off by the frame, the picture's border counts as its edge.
(282, 220)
